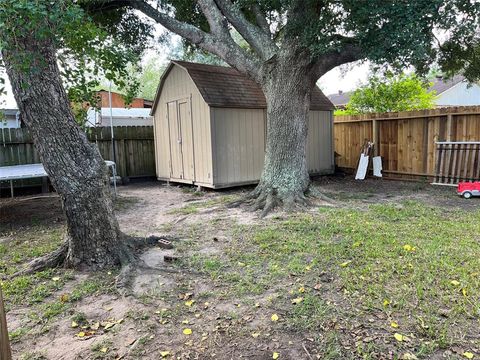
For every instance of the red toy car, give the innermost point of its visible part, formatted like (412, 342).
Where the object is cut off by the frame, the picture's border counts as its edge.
(468, 189)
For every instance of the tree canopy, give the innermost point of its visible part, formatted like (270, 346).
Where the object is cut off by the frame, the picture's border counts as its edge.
(89, 47)
(399, 33)
(390, 93)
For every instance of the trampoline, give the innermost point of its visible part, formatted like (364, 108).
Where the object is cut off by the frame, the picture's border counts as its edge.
(29, 171)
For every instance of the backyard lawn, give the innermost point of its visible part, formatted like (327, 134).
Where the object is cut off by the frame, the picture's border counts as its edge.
(389, 270)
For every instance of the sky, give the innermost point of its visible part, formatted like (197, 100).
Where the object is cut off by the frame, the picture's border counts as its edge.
(344, 78)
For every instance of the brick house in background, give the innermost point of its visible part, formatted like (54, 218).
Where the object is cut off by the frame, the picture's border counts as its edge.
(137, 113)
(119, 102)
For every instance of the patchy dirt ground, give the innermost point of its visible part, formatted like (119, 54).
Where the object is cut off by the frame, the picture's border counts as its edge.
(314, 285)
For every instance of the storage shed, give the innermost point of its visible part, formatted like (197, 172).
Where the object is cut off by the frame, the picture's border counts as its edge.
(210, 127)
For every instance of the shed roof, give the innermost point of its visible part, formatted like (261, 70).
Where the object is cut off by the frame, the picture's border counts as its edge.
(222, 86)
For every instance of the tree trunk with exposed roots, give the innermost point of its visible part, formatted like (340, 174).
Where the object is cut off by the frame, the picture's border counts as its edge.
(285, 178)
(74, 165)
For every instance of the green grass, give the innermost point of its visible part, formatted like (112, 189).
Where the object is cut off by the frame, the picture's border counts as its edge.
(409, 263)
(29, 244)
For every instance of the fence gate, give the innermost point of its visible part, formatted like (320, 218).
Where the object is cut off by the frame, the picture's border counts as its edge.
(456, 162)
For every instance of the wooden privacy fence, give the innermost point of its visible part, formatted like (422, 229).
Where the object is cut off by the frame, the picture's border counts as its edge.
(406, 141)
(134, 147)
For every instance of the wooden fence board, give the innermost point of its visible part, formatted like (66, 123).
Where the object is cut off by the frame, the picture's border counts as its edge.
(134, 145)
(406, 140)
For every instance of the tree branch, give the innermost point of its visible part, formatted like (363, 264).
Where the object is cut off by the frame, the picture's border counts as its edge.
(260, 41)
(227, 50)
(349, 52)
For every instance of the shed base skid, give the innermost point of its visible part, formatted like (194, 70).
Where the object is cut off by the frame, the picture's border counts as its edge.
(235, 184)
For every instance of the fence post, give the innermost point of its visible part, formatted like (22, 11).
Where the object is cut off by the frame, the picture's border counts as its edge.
(375, 138)
(5, 352)
(448, 136)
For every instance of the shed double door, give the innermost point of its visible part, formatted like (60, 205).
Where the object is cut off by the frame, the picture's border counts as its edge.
(182, 166)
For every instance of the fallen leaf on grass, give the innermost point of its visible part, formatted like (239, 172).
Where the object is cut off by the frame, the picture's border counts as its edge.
(74, 324)
(274, 317)
(164, 353)
(386, 302)
(187, 331)
(468, 355)
(104, 349)
(83, 334)
(409, 248)
(255, 335)
(107, 325)
(455, 282)
(95, 326)
(275, 355)
(408, 356)
(108, 308)
(464, 292)
(394, 324)
(399, 337)
(301, 289)
(56, 278)
(189, 303)
(64, 298)
(297, 300)
(346, 263)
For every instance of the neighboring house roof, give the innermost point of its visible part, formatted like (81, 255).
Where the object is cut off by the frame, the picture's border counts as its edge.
(222, 86)
(440, 85)
(341, 98)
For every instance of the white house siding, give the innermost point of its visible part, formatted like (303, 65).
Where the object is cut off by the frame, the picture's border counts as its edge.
(120, 117)
(9, 124)
(9, 119)
(459, 95)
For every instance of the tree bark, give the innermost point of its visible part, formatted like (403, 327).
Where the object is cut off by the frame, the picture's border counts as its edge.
(284, 180)
(74, 165)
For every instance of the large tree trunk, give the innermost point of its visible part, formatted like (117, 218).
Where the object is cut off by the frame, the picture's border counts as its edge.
(285, 178)
(74, 165)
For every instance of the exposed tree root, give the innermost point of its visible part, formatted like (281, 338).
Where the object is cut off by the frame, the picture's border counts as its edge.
(127, 251)
(52, 260)
(266, 200)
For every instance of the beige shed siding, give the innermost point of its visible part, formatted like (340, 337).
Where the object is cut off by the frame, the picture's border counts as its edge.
(239, 138)
(320, 143)
(178, 85)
